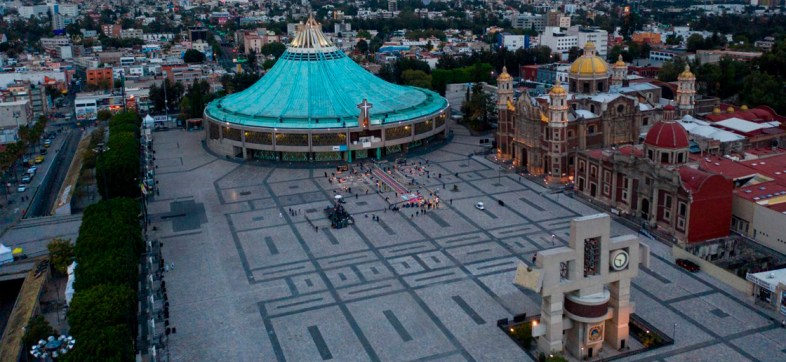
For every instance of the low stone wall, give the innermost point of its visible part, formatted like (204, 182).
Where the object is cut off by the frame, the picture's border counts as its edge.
(719, 273)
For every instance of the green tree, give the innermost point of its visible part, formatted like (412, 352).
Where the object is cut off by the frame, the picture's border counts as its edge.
(673, 39)
(193, 56)
(61, 253)
(696, 42)
(417, 78)
(174, 92)
(268, 63)
(117, 168)
(362, 46)
(104, 115)
(364, 34)
(573, 53)
(102, 305)
(671, 69)
(37, 329)
(275, 49)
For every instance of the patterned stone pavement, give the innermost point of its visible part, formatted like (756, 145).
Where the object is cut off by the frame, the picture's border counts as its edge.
(254, 283)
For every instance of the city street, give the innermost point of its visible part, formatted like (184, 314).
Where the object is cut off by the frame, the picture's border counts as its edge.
(13, 205)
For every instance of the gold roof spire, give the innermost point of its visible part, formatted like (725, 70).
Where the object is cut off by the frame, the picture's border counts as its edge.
(310, 38)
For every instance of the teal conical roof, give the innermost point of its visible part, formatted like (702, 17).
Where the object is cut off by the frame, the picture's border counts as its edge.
(316, 85)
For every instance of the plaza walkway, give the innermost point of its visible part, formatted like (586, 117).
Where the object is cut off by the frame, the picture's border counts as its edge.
(395, 185)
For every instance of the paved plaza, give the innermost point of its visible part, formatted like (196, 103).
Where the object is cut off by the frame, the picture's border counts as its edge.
(254, 282)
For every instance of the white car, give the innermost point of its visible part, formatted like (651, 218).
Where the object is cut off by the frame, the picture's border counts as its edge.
(480, 206)
(21, 188)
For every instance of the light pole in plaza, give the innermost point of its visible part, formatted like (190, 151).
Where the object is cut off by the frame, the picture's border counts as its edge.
(51, 348)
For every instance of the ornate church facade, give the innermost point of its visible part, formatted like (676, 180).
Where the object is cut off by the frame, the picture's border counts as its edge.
(599, 109)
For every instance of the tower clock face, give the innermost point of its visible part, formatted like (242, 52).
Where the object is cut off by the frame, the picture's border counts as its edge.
(619, 259)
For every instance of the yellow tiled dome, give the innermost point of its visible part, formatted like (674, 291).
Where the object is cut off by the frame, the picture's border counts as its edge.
(589, 64)
(504, 76)
(687, 74)
(558, 89)
(620, 62)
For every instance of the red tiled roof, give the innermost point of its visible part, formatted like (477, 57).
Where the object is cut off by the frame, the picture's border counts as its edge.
(725, 167)
(693, 179)
(667, 135)
(761, 191)
(631, 150)
(773, 167)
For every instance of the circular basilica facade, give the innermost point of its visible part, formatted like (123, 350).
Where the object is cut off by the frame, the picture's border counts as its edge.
(317, 104)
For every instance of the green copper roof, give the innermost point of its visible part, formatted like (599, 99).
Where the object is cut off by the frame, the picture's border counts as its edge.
(315, 85)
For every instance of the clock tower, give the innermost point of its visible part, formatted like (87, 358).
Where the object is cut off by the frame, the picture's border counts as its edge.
(585, 288)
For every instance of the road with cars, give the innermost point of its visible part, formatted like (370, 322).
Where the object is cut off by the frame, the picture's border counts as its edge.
(19, 202)
(50, 183)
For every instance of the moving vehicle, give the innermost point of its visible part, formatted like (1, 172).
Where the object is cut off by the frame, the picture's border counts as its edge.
(480, 206)
(688, 265)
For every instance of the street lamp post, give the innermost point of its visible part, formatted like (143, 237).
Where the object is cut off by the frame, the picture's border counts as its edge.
(674, 333)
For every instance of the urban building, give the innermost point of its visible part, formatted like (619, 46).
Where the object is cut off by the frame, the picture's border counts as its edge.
(197, 33)
(28, 11)
(34, 93)
(131, 33)
(527, 21)
(100, 78)
(646, 37)
(769, 288)
(254, 41)
(111, 30)
(12, 116)
(513, 42)
(355, 114)
(557, 19)
(576, 36)
(759, 200)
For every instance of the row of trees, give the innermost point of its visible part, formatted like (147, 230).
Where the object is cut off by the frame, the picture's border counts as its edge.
(102, 314)
(117, 168)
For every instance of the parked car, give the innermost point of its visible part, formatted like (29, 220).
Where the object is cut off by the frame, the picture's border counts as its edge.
(688, 265)
(39, 159)
(26, 179)
(21, 188)
(43, 151)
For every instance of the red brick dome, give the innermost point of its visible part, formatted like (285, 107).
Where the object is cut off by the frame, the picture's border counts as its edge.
(667, 135)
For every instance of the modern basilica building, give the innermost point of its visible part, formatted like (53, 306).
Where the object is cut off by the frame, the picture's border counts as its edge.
(317, 104)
